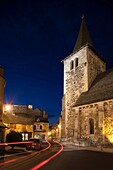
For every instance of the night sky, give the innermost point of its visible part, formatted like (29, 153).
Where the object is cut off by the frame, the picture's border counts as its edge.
(35, 35)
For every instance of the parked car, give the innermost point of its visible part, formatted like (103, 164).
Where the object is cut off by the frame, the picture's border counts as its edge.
(33, 144)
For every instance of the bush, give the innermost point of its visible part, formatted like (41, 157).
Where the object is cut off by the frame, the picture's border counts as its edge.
(14, 137)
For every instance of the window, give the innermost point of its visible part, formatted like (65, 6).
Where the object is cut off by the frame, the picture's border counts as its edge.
(91, 126)
(71, 64)
(41, 127)
(76, 62)
(34, 127)
(24, 136)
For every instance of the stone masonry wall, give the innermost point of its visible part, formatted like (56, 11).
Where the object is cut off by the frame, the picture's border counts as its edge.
(108, 121)
(95, 66)
(102, 114)
(63, 123)
(82, 126)
(75, 82)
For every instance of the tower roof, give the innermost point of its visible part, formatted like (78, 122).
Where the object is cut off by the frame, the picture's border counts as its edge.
(83, 36)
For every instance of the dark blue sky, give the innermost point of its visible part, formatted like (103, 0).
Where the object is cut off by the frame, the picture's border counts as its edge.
(35, 35)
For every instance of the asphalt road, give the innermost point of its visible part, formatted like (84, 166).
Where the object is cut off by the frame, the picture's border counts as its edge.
(69, 159)
(81, 160)
(27, 160)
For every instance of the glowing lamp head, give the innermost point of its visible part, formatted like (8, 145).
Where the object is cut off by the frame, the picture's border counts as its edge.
(49, 133)
(8, 107)
(59, 126)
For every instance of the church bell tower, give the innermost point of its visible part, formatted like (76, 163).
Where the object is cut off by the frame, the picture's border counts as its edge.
(80, 69)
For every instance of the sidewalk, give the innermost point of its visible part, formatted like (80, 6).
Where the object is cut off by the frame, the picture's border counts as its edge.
(100, 149)
(71, 146)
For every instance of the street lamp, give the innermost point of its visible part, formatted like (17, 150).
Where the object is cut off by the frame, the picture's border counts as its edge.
(49, 133)
(59, 126)
(8, 107)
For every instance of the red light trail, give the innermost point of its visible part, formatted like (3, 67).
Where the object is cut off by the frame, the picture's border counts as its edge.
(13, 160)
(49, 159)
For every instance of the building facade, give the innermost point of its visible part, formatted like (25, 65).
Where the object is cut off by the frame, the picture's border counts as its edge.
(18, 118)
(41, 124)
(87, 103)
(22, 119)
(2, 85)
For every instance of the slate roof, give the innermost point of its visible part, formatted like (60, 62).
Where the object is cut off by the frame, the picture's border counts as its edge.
(83, 36)
(39, 116)
(84, 40)
(18, 118)
(26, 117)
(41, 119)
(101, 89)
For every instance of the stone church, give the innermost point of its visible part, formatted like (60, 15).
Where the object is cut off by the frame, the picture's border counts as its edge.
(87, 103)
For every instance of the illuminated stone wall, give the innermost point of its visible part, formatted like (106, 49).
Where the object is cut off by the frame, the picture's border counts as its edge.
(108, 120)
(63, 119)
(21, 128)
(41, 128)
(102, 114)
(45, 126)
(77, 81)
(23, 118)
(82, 119)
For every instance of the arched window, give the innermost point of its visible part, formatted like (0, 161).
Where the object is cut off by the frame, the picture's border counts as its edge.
(71, 64)
(76, 62)
(41, 127)
(91, 126)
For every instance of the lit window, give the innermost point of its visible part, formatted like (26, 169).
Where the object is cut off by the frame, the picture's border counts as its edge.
(26, 136)
(22, 136)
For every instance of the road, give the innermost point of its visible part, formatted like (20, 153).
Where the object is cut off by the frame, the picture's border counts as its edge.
(81, 160)
(28, 160)
(69, 159)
